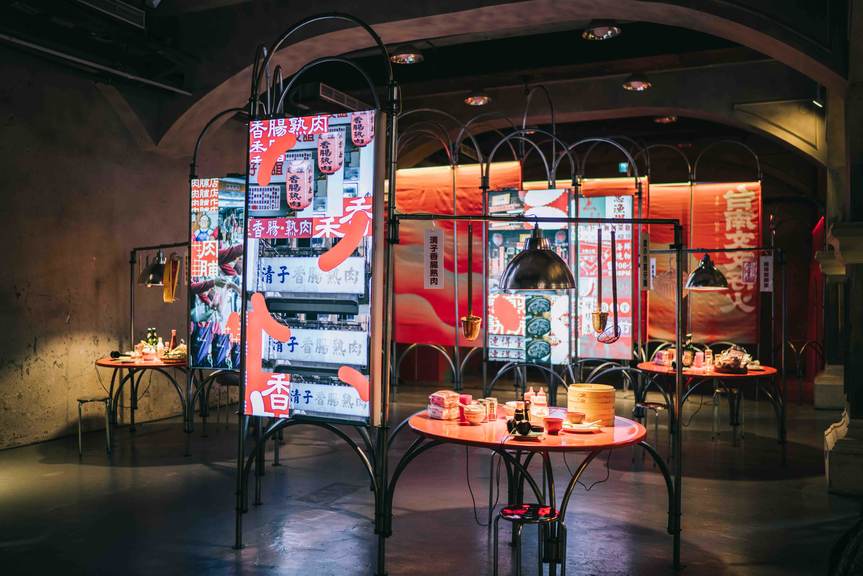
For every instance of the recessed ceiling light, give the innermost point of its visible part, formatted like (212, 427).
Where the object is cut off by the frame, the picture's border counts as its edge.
(477, 98)
(408, 54)
(601, 30)
(637, 82)
(668, 119)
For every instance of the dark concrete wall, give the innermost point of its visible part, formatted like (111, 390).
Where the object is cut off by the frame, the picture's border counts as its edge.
(81, 186)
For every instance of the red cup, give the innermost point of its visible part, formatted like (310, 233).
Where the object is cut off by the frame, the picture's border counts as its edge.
(553, 424)
(463, 399)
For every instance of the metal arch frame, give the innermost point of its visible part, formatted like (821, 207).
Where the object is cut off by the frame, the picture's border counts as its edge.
(378, 470)
(451, 147)
(646, 153)
(758, 171)
(633, 164)
(284, 90)
(551, 170)
(194, 390)
(282, 423)
(483, 116)
(529, 92)
(641, 148)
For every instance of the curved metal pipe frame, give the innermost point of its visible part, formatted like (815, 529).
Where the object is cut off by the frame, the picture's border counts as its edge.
(260, 73)
(440, 349)
(484, 116)
(524, 135)
(646, 152)
(758, 173)
(263, 56)
(285, 90)
(193, 165)
(529, 92)
(281, 424)
(422, 444)
(638, 145)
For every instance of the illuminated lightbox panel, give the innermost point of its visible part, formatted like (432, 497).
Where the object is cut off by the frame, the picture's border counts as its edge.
(315, 263)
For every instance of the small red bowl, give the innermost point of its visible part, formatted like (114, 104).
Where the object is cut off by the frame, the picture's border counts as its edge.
(553, 424)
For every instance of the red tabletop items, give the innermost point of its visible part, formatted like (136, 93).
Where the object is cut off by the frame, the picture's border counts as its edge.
(654, 368)
(494, 434)
(161, 363)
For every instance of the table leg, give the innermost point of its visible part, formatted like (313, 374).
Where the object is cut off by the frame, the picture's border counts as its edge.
(134, 399)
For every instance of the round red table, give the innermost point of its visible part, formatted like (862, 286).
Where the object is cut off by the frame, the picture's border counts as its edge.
(730, 383)
(517, 454)
(132, 371)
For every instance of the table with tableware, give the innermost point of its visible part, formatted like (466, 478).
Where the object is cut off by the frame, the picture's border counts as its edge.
(517, 453)
(731, 383)
(131, 372)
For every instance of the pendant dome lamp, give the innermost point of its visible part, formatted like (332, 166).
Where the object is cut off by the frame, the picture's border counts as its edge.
(706, 277)
(537, 267)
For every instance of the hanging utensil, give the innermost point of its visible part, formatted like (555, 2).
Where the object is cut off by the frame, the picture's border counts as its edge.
(470, 324)
(600, 318)
(612, 333)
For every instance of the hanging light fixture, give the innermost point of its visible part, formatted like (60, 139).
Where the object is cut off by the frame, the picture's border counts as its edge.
(537, 267)
(477, 98)
(407, 54)
(706, 277)
(601, 30)
(155, 273)
(637, 82)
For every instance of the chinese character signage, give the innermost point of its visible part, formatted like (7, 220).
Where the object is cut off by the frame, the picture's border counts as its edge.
(604, 207)
(216, 266)
(716, 215)
(314, 249)
(527, 325)
(433, 256)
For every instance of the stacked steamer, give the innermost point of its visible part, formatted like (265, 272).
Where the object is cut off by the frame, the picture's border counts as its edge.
(595, 401)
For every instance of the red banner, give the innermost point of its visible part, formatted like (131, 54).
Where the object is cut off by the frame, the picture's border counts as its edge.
(427, 316)
(724, 215)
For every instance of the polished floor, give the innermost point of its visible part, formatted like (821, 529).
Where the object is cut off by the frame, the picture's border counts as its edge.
(148, 509)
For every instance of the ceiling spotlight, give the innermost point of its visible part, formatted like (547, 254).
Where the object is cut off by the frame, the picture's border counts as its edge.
(669, 119)
(601, 30)
(477, 98)
(637, 82)
(408, 54)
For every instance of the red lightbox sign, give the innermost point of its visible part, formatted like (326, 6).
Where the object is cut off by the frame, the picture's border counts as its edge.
(314, 252)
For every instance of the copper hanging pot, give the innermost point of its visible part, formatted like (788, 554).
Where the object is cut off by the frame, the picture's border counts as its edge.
(470, 324)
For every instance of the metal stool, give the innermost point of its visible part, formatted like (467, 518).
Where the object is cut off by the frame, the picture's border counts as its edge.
(644, 408)
(87, 400)
(519, 515)
(735, 408)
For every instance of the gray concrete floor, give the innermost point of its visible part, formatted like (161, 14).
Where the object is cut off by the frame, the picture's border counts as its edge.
(148, 509)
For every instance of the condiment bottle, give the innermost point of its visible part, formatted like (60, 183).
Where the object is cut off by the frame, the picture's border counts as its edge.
(173, 343)
(539, 407)
(160, 347)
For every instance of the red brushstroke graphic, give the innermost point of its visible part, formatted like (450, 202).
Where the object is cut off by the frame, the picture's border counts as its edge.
(354, 232)
(259, 321)
(279, 146)
(506, 314)
(352, 377)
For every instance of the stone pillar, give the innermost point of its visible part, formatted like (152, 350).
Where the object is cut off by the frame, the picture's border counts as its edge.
(843, 441)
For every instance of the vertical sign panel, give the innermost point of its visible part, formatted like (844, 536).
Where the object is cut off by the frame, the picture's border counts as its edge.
(215, 270)
(433, 257)
(314, 259)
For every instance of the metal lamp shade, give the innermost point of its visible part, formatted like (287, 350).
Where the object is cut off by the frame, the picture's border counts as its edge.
(707, 277)
(537, 267)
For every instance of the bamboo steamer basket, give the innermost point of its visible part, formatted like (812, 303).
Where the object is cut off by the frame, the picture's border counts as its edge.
(596, 401)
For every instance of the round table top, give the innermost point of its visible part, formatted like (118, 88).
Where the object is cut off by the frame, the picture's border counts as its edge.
(654, 368)
(494, 434)
(140, 364)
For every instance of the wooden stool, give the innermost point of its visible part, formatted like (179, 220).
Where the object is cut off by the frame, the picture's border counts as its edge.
(87, 400)
(519, 515)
